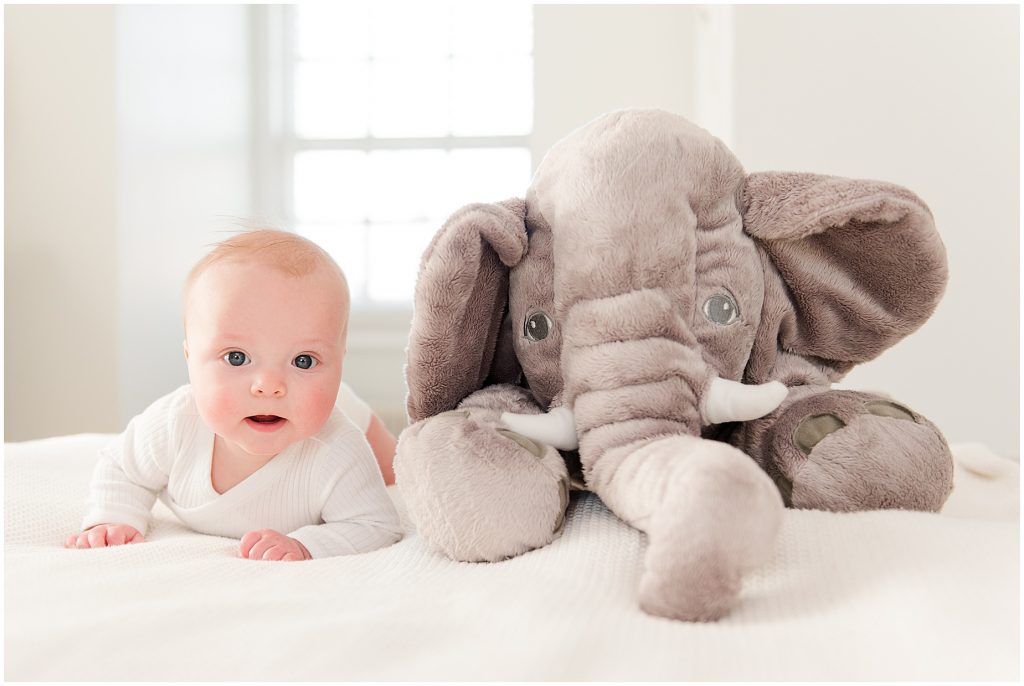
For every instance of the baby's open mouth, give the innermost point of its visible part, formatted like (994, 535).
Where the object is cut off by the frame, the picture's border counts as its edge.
(265, 421)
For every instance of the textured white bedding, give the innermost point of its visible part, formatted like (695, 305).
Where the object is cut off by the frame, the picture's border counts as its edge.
(874, 595)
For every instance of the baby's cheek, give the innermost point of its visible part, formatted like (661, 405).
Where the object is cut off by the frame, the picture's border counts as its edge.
(216, 407)
(319, 405)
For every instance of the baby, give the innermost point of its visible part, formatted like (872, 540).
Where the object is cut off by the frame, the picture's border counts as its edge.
(254, 447)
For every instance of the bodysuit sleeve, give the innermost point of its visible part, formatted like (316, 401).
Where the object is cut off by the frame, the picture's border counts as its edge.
(132, 469)
(358, 515)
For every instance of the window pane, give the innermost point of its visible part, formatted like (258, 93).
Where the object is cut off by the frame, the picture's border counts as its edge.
(407, 29)
(330, 185)
(492, 28)
(347, 244)
(327, 30)
(480, 96)
(487, 175)
(406, 185)
(331, 99)
(394, 256)
(410, 98)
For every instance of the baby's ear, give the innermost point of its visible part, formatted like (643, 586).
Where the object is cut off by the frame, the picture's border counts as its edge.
(184, 345)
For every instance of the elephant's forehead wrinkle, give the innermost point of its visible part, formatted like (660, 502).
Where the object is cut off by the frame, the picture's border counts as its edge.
(602, 367)
(644, 313)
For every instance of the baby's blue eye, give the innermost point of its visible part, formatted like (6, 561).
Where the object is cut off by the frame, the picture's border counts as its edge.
(304, 362)
(236, 358)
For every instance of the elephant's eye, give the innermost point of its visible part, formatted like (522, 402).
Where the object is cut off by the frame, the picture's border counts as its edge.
(537, 327)
(721, 309)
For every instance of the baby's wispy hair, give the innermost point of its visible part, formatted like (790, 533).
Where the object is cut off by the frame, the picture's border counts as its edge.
(289, 252)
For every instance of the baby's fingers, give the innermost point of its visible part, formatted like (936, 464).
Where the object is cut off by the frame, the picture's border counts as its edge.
(103, 535)
(274, 553)
(116, 535)
(77, 540)
(248, 541)
(122, 533)
(96, 537)
(265, 539)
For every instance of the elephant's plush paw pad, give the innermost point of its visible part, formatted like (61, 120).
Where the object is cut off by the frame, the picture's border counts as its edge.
(844, 450)
(887, 408)
(845, 408)
(813, 429)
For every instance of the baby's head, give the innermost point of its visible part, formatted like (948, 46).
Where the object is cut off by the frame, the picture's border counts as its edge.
(266, 315)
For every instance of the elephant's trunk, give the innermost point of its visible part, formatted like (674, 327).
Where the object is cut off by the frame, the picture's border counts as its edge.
(641, 389)
(628, 257)
(646, 227)
(633, 372)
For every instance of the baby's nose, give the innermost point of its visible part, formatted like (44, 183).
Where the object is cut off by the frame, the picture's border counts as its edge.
(268, 386)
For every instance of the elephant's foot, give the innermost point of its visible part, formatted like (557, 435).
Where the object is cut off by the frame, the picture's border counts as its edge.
(716, 515)
(477, 491)
(844, 451)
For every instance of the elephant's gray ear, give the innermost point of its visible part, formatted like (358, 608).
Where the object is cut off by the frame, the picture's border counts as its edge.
(460, 303)
(861, 263)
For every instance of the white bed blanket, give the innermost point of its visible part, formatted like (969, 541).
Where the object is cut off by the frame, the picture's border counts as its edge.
(876, 595)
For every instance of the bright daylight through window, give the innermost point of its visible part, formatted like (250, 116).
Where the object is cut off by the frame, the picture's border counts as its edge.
(400, 115)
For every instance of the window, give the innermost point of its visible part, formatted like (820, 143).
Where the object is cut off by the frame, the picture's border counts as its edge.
(395, 115)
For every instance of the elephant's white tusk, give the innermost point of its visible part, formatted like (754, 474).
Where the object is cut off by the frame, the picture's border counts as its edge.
(732, 401)
(556, 428)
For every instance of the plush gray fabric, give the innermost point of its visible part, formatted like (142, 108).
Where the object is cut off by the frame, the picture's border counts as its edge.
(861, 261)
(643, 268)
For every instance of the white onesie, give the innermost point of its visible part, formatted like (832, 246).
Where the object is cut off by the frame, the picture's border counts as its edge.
(326, 491)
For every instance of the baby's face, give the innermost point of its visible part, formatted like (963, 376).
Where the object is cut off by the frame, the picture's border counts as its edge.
(265, 352)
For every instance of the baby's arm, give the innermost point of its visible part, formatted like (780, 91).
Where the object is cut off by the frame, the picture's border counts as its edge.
(358, 514)
(119, 503)
(125, 482)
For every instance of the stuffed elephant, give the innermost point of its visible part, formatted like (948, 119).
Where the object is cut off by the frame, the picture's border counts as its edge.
(657, 326)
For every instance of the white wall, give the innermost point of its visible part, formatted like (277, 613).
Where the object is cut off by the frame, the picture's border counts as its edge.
(589, 59)
(926, 97)
(60, 343)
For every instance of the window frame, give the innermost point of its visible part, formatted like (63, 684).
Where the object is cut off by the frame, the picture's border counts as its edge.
(276, 143)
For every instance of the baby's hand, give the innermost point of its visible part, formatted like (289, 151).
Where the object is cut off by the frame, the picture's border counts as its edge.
(103, 535)
(267, 544)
